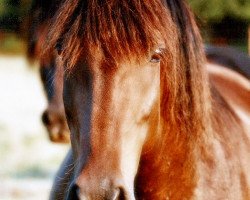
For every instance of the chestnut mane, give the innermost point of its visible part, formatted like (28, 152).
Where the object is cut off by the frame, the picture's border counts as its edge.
(120, 29)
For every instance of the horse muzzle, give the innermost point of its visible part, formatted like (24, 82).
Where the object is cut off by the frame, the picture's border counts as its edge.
(118, 192)
(56, 125)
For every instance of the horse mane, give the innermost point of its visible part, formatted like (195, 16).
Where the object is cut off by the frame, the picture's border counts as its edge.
(120, 29)
(39, 18)
(192, 80)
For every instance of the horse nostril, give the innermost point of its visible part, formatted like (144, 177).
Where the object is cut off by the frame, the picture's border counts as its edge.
(45, 118)
(119, 194)
(73, 193)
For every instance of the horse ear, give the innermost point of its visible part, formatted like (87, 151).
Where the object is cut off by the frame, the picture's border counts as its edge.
(59, 46)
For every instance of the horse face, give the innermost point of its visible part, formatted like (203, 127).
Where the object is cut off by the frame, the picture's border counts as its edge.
(109, 110)
(54, 117)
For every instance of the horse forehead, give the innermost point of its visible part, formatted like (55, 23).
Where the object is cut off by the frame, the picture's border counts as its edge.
(98, 61)
(104, 67)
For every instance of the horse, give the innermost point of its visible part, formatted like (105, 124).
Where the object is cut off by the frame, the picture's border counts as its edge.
(223, 63)
(235, 89)
(40, 17)
(229, 57)
(232, 86)
(53, 117)
(144, 121)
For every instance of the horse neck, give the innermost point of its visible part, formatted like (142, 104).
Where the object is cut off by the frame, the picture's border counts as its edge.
(168, 169)
(222, 154)
(185, 165)
(178, 163)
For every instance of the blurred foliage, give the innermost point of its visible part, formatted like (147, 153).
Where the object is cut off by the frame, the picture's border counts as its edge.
(217, 10)
(11, 44)
(12, 14)
(223, 22)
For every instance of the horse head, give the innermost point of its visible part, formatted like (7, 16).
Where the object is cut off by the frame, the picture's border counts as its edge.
(137, 101)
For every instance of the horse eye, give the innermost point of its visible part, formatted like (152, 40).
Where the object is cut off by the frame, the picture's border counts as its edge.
(156, 57)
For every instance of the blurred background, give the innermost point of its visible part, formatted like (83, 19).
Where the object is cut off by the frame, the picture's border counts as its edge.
(224, 22)
(28, 160)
